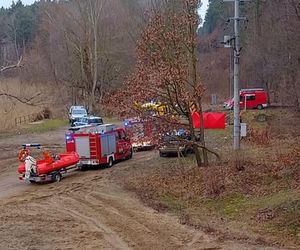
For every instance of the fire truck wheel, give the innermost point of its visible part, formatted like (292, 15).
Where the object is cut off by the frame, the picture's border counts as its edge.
(57, 177)
(81, 167)
(260, 107)
(130, 154)
(110, 162)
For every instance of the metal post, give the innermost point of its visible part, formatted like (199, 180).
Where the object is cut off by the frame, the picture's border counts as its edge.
(236, 108)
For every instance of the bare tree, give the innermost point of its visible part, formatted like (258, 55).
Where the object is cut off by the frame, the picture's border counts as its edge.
(166, 71)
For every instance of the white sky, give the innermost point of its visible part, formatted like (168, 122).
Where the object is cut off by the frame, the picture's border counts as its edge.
(7, 3)
(203, 9)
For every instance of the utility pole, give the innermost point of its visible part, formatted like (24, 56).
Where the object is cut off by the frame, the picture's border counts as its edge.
(236, 78)
(234, 42)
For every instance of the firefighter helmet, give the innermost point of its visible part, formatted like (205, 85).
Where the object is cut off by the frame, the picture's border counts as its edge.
(23, 154)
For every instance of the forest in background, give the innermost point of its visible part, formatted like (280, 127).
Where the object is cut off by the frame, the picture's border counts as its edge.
(81, 50)
(270, 56)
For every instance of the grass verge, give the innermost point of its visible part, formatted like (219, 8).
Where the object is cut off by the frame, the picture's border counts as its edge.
(44, 126)
(260, 203)
(38, 127)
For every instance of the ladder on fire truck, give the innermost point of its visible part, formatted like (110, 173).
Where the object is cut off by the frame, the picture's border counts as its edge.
(93, 146)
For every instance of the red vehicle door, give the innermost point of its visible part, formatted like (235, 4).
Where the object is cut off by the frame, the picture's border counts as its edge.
(248, 101)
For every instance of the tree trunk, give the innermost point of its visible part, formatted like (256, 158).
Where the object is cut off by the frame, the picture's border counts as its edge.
(202, 137)
(194, 77)
(268, 93)
(95, 56)
(195, 147)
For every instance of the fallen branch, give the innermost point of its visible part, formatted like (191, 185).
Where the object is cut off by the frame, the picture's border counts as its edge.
(17, 65)
(27, 101)
(210, 151)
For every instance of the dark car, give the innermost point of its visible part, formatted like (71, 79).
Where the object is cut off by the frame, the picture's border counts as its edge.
(175, 145)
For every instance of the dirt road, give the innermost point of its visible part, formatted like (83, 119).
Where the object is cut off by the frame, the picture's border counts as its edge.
(87, 210)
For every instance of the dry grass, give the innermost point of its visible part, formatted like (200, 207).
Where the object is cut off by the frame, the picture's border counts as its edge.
(49, 96)
(263, 199)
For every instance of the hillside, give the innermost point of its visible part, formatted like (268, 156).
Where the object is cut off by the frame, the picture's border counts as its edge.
(270, 56)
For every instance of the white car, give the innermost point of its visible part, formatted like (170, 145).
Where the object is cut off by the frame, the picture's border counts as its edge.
(228, 104)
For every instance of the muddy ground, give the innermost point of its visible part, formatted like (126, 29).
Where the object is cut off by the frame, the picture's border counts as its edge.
(88, 210)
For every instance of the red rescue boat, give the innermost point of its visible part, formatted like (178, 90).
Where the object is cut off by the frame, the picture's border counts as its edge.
(48, 168)
(45, 167)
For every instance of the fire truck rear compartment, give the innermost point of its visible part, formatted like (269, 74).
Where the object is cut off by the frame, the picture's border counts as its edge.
(82, 145)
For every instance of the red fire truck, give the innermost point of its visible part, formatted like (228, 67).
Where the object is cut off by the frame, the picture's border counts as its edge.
(140, 132)
(99, 145)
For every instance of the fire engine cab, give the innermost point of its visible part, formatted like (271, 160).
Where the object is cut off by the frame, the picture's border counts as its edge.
(253, 98)
(99, 145)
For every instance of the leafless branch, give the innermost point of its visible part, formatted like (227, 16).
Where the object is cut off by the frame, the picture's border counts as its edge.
(17, 65)
(28, 101)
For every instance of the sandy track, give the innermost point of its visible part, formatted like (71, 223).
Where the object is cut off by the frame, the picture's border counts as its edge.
(87, 210)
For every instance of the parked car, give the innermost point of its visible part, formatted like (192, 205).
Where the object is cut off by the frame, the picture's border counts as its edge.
(228, 104)
(173, 144)
(76, 112)
(88, 120)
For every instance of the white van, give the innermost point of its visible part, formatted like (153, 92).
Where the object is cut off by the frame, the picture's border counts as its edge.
(76, 112)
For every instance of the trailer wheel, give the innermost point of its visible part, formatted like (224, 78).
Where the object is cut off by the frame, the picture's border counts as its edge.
(57, 177)
(110, 162)
(260, 107)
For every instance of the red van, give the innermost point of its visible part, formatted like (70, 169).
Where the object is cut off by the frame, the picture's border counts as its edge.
(253, 98)
(250, 98)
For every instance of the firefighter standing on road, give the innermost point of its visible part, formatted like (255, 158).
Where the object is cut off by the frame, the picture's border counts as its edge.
(29, 162)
